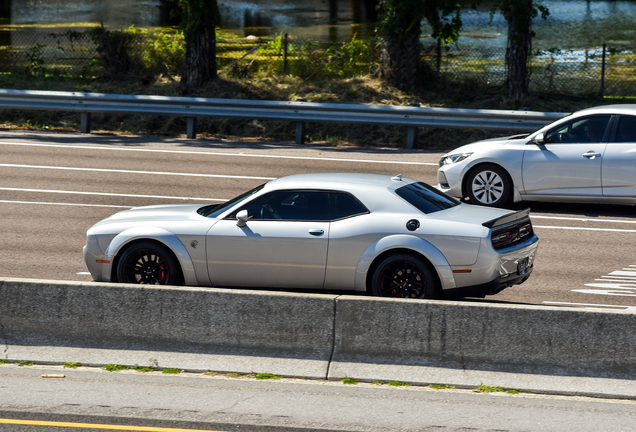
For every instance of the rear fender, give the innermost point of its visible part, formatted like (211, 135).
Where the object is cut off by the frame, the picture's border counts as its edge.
(150, 233)
(413, 243)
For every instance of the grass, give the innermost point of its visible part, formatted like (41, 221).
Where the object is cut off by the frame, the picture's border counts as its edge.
(441, 387)
(3, 362)
(115, 367)
(398, 384)
(25, 363)
(493, 389)
(171, 371)
(71, 365)
(349, 381)
(266, 376)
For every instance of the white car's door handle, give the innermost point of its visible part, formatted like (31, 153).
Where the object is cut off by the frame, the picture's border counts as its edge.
(591, 154)
(316, 232)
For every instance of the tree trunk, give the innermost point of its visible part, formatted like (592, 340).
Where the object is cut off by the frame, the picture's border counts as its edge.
(200, 60)
(518, 54)
(400, 60)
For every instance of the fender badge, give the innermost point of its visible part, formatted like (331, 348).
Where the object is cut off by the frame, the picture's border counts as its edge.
(194, 243)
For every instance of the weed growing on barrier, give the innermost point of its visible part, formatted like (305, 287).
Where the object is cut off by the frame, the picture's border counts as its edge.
(25, 363)
(398, 384)
(266, 376)
(144, 369)
(348, 380)
(71, 365)
(441, 387)
(3, 361)
(378, 383)
(114, 367)
(171, 371)
(483, 388)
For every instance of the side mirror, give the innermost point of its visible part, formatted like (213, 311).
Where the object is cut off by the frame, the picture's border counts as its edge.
(539, 139)
(242, 218)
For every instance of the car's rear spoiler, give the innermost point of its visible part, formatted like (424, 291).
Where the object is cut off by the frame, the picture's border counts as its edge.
(511, 217)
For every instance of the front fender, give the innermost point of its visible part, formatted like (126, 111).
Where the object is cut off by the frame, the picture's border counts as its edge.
(150, 233)
(401, 241)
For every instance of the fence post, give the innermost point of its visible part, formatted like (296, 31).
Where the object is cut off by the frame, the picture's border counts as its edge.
(86, 123)
(192, 128)
(285, 45)
(602, 92)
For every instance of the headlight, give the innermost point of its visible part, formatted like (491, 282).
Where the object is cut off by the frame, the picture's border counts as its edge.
(454, 158)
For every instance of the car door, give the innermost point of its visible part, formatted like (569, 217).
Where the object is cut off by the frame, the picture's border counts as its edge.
(619, 161)
(283, 244)
(569, 160)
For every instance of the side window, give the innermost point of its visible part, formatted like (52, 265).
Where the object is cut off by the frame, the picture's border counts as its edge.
(292, 205)
(344, 205)
(626, 130)
(583, 130)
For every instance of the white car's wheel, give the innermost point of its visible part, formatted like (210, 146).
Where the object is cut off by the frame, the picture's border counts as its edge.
(489, 185)
(404, 276)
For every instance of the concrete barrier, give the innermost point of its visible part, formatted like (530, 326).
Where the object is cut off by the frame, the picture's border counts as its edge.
(189, 328)
(319, 336)
(383, 339)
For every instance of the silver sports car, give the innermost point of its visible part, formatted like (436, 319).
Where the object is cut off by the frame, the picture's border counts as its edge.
(389, 236)
(589, 156)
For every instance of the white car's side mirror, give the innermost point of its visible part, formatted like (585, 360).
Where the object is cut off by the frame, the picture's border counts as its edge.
(242, 218)
(539, 139)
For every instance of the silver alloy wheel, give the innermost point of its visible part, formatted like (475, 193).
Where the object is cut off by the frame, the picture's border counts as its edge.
(488, 187)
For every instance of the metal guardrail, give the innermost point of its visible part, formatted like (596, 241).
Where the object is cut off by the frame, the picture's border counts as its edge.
(299, 112)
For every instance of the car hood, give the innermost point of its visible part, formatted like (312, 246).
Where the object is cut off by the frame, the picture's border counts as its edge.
(489, 143)
(172, 212)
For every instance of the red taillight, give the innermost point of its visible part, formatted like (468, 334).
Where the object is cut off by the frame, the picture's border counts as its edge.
(508, 235)
(500, 239)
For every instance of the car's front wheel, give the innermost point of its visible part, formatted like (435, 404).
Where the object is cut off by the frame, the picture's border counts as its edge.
(404, 276)
(489, 185)
(148, 263)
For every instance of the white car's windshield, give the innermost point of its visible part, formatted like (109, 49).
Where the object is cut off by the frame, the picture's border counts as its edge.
(213, 211)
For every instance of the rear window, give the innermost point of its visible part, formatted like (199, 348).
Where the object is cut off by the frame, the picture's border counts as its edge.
(426, 198)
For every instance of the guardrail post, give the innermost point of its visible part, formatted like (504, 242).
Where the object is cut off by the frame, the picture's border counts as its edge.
(86, 123)
(192, 128)
(300, 132)
(411, 138)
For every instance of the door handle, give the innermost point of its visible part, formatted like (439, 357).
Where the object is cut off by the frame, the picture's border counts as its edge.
(591, 154)
(316, 232)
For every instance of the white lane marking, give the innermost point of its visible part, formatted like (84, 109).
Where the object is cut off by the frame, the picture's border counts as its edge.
(585, 229)
(629, 308)
(224, 154)
(84, 273)
(582, 219)
(64, 204)
(109, 194)
(608, 292)
(135, 172)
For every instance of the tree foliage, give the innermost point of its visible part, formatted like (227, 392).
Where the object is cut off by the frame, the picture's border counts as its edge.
(400, 26)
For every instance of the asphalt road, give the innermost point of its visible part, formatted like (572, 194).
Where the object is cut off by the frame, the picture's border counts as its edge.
(55, 186)
(214, 403)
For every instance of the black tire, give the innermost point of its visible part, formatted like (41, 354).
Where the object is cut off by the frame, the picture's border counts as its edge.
(148, 263)
(489, 185)
(404, 276)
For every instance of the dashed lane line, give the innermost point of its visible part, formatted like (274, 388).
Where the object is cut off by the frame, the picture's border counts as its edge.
(64, 204)
(211, 153)
(135, 172)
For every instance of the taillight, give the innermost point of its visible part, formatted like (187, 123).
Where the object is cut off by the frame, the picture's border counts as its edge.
(508, 235)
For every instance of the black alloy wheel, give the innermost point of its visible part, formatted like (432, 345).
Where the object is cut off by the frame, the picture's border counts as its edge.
(148, 263)
(404, 276)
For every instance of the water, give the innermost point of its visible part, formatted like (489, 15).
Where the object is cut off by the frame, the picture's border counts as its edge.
(572, 24)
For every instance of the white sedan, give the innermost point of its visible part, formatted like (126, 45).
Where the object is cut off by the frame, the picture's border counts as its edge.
(389, 236)
(589, 156)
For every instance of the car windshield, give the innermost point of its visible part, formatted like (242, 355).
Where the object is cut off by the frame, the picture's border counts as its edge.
(215, 210)
(426, 198)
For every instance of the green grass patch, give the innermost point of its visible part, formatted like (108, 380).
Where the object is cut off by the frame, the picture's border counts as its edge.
(348, 380)
(3, 361)
(71, 365)
(266, 376)
(488, 389)
(378, 383)
(441, 386)
(25, 363)
(398, 384)
(171, 371)
(114, 367)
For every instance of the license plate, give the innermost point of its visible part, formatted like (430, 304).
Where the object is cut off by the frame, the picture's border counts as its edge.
(522, 266)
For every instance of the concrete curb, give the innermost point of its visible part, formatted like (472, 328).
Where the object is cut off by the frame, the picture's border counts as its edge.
(540, 349)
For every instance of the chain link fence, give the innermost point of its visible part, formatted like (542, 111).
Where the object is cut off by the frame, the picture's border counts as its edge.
(609, 71)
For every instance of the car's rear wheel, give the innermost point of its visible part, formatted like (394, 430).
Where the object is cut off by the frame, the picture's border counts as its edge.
(148, 263)
(404, 276)
(489, 185)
